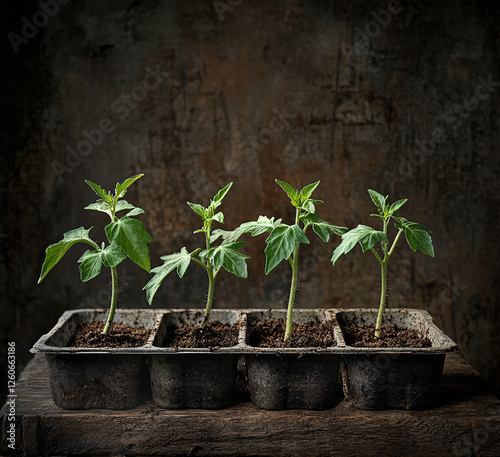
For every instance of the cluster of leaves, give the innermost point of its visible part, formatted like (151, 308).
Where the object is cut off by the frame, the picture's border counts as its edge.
(127, 236)
(212, 258)
(417, 235)
(283, 238)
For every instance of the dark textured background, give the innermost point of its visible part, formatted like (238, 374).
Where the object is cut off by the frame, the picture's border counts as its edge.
(352, 122)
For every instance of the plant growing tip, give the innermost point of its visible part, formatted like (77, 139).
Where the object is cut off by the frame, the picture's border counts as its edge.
(127, 238)
(211, 258)
(417, 236)
(284, 240)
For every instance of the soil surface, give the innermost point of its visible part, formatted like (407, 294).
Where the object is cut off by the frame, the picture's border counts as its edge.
(212, 335)
(270, 334)
(119, 336)
(392, 337)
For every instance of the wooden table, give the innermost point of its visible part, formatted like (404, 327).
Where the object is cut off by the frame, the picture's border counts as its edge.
(467, 424)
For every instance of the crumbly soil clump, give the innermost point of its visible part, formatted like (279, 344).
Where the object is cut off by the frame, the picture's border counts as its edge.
(392, 337)
(214, 334)
(119, 336)
(270, 334)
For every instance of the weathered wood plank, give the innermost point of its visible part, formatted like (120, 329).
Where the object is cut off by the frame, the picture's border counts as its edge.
(466, 424)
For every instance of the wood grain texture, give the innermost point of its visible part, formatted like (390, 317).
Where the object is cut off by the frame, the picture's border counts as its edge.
(267, 92)
(466, 424)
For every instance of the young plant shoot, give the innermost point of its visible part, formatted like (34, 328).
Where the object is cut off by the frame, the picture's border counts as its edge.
(417, 236)
(211, 258)
(127, 238)
(284, 240)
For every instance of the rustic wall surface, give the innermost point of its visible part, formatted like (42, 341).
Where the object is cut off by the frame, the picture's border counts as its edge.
(399, 97)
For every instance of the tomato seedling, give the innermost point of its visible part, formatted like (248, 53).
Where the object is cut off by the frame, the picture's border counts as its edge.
(417, 236)
(211, 258)
(127, 238)
(284, 240)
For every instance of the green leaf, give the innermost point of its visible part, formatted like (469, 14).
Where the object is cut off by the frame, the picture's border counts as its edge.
(281, 243)
(306, 192)
(308, 206)
(55, 252)
(179, 260)
(198, 209)
(227, 256)
(121, 189)
(417, 235)
(230, 235)
(299, 234)
(222, 193)
(135, 212)
(100, 206)
(206, 253)
(113, 255)
(371, 239)
(323, 228)
(291, 192)
(106, 207)
(132, 237)
(123, 205)
(219, 217)
(216, 201)
(91, 261)
(366, 236)
(262, 225)
(90, 264)
(98, 190)
(378, 199)
(396, 205)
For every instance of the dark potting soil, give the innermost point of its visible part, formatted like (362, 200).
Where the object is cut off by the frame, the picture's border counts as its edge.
(270, 334)
(214, 334)
(391, 337)
(119, 336)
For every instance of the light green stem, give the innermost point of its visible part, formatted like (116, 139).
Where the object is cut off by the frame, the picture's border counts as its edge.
(211, 278)
(394, 243)
(383, 294)
(293, 288)
(295, 270)
(208, 307)
(114, 299)
(383, 265)
(376, 255)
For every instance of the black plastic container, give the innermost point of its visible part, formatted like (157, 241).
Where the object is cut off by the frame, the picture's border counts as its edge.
(198, 377)
(293, 378)
(394, 378)
(89, 378)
